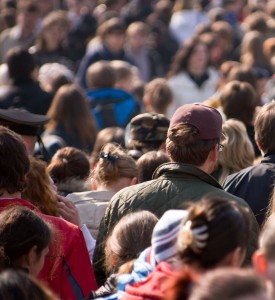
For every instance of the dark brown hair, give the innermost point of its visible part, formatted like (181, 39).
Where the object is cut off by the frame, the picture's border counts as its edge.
(14, 162)
(67, 163)
(16, 285)
(182, 146)
(227, 225)
(20, 64)
(239, 100)
(20, 230)
(181, 58)
(148, 163)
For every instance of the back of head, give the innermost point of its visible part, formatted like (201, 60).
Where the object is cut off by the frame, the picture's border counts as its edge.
(231, 284)
(215, 227)
(123, 69)
(115, 135)
(124, 244)
(257, 21)
(12, 153)
(70, 108)
(20, 63)
(101, 75)
(39, 188)
(21, 230)
(148, 132)
(239, 100)
(148, 163)
(114, 164)
(194, 131)
(243, 74)
(265, 128)
(68, 163)
(238, 152)
(158, 95)
(16, 285)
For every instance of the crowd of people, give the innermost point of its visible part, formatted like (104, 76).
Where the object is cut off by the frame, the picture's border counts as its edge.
(137, 149)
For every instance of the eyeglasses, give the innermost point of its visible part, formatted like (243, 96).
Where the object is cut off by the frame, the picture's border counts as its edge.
(220, 147)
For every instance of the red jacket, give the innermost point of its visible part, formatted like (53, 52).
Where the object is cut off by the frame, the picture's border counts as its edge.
(153, 288)
(67, 269)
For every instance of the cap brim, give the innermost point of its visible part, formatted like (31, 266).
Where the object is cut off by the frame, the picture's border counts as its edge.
(23, 117)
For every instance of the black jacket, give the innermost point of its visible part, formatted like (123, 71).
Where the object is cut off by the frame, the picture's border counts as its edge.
(255, 185)
(26, 94)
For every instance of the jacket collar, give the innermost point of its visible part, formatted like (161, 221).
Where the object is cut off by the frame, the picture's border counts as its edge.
(184, 170)
(268, 158)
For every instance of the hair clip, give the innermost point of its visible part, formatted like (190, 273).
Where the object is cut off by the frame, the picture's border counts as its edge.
(110, 157)
(194, 238)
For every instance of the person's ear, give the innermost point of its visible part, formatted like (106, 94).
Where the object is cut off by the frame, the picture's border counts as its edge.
(234, 258)
(94, 185)
(213, 154)
(133, 181)
(258, 144)
(260, 262)
(29, 258)
(237, 257)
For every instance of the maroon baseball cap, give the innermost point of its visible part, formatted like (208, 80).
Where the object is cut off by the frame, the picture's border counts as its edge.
(206, 119)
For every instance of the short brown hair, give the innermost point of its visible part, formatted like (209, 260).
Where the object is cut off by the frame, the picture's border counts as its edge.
(159, 94)
(101, 75)
(239, 100)
(182, 146)
(265, 128)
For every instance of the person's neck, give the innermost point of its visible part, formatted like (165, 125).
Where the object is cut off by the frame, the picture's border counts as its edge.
(196, 71)
(4, 194)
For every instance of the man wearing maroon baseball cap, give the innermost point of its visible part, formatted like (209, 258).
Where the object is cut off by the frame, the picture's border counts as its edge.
(193, 146)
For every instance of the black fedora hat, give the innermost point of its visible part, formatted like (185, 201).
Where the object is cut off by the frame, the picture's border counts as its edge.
(22, 121)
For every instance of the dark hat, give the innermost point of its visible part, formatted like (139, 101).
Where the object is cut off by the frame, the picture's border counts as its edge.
(22, 121)
(149, 127)
(206, 119)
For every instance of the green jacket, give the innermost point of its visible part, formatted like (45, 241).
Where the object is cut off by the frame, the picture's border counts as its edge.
(174, 185)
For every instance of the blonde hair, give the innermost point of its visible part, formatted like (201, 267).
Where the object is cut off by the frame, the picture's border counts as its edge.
(113, 164)
(238, 151)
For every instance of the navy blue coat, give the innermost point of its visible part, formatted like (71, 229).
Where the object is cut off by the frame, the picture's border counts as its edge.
(255, 185)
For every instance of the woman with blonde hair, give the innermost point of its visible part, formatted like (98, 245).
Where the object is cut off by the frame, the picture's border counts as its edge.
(114, 171)
(238, 151)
